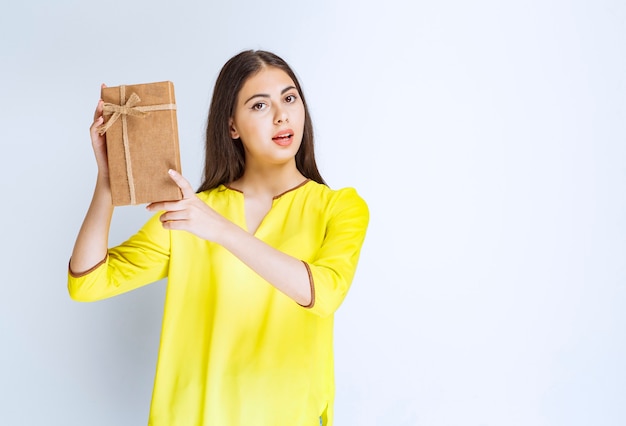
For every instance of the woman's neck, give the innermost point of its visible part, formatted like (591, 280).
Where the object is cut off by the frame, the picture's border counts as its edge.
(268, 181)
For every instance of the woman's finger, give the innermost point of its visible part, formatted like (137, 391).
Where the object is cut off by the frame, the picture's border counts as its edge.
(168, 206)
(96, 123)
(100, 106)
(182, 183)
(99, 109)
(173, 216)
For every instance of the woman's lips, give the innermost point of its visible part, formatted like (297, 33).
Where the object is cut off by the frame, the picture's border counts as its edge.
(283, 138)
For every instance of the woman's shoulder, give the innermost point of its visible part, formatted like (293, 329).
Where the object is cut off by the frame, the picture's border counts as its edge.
(343, 191)
(336, 198)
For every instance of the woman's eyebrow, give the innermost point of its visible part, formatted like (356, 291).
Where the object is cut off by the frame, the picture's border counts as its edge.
(265, 95)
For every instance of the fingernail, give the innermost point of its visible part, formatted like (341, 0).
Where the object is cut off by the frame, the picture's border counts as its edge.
(171, 172)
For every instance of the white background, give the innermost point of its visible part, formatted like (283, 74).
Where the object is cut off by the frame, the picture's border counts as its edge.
(488, 138)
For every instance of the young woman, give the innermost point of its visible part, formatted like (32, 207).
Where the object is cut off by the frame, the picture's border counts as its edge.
(257, 261)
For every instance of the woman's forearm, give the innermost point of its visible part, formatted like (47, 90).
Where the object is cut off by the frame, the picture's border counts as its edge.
(286, 273)
(92, 241)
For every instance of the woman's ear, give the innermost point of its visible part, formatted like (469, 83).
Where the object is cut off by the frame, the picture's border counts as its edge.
(233, 132)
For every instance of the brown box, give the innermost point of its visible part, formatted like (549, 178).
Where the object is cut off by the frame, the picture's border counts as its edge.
(142, 142)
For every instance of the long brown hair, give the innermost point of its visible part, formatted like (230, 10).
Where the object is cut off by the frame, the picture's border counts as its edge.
(225, 157)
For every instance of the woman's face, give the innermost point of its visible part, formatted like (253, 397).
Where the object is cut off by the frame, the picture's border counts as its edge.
(269, 118)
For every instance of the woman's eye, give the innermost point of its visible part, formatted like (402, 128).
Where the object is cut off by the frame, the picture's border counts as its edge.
(258, 107)
(290, 99)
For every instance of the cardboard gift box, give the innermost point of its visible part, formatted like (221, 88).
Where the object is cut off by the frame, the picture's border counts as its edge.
(142, 142)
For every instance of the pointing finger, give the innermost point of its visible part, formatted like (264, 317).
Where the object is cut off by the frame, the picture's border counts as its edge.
(182, 183)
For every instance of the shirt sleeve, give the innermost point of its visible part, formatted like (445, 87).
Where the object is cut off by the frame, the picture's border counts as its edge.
(333, 269)
(141, 260)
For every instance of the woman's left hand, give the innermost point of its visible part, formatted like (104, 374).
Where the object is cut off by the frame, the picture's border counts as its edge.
(190, 214)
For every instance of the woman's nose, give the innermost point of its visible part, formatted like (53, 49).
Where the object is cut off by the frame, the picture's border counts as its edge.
(281, 116)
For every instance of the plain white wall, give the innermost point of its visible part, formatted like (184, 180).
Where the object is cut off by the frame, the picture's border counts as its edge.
(487, 137)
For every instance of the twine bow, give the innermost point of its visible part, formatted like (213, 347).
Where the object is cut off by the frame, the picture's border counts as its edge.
(128, 108)
(125, 109)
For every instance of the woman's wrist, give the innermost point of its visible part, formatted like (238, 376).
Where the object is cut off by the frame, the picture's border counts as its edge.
(102, 181)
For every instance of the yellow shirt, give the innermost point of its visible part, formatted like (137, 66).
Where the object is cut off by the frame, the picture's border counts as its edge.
(234, 350)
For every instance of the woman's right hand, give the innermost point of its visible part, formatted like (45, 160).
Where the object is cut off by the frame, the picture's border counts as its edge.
(98, 141)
